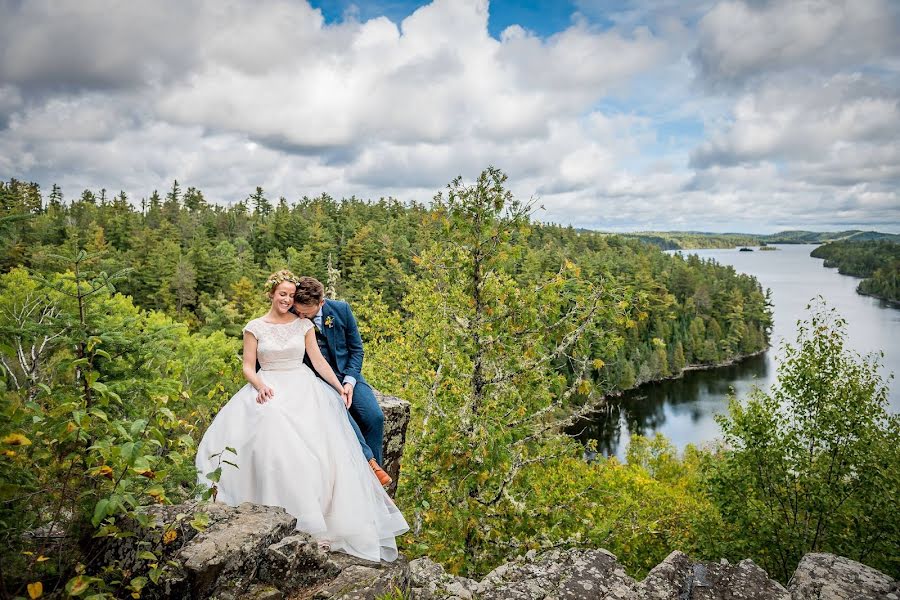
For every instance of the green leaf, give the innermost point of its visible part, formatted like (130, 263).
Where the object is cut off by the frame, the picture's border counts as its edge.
(100, 511)
(155, 574)
(215, 475)
(137, 426)
(200, 521)
(138, 583)
(147, 555)
(100, 415)
(78, 585)
(141, 464)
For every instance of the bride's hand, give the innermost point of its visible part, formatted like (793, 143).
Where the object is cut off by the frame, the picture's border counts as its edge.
(264, 394)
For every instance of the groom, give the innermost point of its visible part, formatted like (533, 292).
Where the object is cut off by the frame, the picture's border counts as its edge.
(341, 345)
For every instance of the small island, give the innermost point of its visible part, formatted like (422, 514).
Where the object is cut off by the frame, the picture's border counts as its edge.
(745, 249)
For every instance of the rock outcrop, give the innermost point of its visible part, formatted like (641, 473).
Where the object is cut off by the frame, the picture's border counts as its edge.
(597, 575)
(822, 575)
(253, 551)
(396, 420)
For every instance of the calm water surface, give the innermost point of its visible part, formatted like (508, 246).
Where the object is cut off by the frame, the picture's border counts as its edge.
(683, 409)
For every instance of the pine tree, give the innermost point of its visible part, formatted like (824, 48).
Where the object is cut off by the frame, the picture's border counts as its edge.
(479, 363)
(261, 206)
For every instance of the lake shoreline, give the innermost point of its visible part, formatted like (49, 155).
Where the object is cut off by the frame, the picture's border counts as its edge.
(889, 301)
(895, 304)
(601, 402)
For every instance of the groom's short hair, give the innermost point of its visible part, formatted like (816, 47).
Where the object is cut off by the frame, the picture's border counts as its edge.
(309, 291)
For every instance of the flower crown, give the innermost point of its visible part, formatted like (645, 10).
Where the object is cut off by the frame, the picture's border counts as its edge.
(280, 277)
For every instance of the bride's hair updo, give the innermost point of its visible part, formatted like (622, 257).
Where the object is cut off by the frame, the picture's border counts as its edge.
(278, 277)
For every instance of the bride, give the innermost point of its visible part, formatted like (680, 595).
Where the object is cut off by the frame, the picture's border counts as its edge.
(294, 444)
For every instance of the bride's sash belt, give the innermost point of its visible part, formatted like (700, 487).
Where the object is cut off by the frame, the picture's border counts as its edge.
(287, 366)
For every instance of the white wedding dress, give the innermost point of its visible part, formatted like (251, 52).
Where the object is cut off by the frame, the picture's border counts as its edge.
(298, 451)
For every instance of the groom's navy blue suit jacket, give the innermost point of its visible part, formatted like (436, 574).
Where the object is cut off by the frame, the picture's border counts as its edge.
(345, 355)
(345, 346)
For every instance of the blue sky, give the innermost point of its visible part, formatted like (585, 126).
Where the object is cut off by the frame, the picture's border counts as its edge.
(544, 18)
(718, 115)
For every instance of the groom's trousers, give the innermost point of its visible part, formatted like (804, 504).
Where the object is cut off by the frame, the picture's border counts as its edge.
(367, 420)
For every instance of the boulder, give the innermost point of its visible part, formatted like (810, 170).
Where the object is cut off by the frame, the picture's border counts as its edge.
(228, 553)
(557, 574)
(822, 576)
(396, 421)
(431, 582)
(364, 580)
(296, 561)
(680, 577)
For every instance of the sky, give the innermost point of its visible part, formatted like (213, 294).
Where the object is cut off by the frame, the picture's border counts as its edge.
(704, 115)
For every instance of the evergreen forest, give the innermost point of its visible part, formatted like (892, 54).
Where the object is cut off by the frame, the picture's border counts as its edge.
(120, 325)
(877, 262)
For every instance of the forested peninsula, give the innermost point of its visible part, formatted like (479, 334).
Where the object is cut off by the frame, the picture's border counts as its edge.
(877, 262)
(121, 324)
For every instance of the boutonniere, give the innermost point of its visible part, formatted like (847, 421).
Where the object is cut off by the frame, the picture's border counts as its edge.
(329, 321)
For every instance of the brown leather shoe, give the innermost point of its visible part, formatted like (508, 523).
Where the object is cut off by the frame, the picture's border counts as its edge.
(383, 478)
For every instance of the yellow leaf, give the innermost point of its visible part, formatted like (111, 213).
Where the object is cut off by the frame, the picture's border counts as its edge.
(42, 558)
(9, 453)
(16, 439)
(70, 427)
(104, 471)
(35, 590)
(169, 536)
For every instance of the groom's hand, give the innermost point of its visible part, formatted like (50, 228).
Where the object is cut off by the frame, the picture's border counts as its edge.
(348, 394)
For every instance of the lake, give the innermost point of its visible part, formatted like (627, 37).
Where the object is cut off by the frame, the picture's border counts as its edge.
(683, 409)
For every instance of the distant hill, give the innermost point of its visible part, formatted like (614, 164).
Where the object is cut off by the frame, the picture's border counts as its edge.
(675, 240)
(819, 237)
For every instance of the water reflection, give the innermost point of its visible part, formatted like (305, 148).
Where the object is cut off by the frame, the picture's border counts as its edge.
(681, 409)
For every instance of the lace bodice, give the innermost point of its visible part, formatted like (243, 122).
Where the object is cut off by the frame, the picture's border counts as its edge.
(280, 346)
